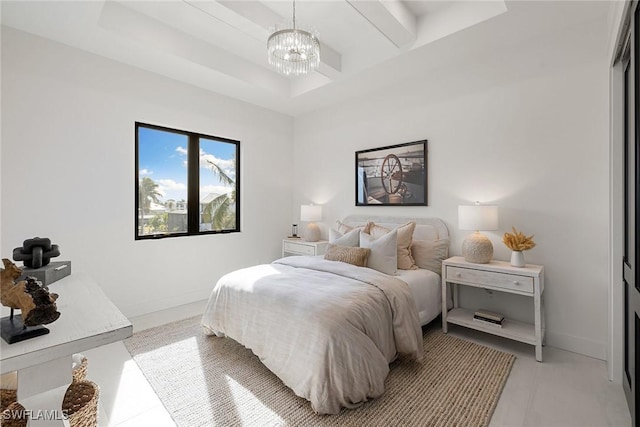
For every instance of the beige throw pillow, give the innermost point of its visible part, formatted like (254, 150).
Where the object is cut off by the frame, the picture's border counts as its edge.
(350, 255)
(430, 254)
(405, 238)
(344, 228)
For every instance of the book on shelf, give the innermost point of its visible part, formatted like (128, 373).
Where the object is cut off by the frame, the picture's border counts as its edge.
(488, 315)
(487, 322)
(484, 319)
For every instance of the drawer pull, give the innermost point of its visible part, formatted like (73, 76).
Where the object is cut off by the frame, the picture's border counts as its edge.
(458, 274)
(515, 282)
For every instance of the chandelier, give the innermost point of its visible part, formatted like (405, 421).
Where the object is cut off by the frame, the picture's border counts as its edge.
(293, 51)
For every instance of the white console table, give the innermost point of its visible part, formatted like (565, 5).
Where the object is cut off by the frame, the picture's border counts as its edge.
(499, 276)
(88, 319)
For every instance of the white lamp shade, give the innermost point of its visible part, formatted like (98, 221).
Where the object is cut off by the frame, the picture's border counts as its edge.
(478, 217)
(310, 213)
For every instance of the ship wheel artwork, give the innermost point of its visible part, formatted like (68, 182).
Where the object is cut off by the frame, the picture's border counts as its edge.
(391, 174)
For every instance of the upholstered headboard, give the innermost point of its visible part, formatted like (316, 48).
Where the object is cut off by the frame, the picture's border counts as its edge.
(426, 228)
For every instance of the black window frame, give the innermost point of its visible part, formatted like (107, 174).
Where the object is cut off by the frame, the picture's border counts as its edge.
(193, 183)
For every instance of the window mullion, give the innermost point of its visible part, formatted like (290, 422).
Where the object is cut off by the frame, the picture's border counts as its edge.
(193, 190)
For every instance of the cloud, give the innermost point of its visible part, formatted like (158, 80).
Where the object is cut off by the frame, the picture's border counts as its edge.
(215, 189)
(227, 166)
(183, 151)
(170, 184)
(171, 188)
(145, 172)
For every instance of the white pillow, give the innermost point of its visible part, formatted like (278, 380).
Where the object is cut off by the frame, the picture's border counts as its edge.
(350, 238)
(384, 252)
(405, 236)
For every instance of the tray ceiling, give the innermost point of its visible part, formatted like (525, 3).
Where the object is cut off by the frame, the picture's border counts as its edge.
(221, 45)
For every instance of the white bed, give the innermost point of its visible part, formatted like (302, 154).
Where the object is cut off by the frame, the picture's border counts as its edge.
(328, 329)
(425, 288)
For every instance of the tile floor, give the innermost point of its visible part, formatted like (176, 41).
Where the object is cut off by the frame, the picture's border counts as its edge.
(566, 390)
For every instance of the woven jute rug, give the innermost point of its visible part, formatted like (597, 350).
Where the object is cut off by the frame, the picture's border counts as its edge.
(210, 381)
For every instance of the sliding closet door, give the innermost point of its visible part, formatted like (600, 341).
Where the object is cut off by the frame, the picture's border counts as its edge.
(631, 255)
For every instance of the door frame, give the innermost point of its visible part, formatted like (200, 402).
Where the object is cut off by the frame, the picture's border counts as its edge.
(615, 345)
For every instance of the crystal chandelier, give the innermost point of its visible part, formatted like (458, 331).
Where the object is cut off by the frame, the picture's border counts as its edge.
(293, 51)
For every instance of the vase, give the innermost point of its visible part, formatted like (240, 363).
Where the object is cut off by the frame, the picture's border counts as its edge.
(517, 259)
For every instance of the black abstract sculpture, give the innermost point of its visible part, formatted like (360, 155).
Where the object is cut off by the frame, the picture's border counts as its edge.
(36, 252)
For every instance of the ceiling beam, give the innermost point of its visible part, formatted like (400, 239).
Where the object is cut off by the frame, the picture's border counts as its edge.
(264, 19)
(150, 33)
(391, 17)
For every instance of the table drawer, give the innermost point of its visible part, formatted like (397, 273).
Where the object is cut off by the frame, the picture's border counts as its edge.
(298, 248)
(498, 280)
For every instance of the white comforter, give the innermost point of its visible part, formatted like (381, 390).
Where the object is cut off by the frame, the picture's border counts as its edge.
(327, 329)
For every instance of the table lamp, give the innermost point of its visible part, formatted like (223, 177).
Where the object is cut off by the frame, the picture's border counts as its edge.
(477, 247)
(311, 213)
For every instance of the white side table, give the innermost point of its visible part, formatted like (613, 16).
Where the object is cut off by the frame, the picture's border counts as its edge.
(302, 247)
(88, 319)
(496, 276)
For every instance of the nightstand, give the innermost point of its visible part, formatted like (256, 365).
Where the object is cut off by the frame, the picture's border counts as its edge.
(496, 276)
(302, 247)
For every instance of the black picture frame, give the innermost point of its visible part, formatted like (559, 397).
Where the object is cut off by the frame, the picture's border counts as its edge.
(395, 175)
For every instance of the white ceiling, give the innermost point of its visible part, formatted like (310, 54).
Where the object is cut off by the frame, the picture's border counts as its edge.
(221, 45)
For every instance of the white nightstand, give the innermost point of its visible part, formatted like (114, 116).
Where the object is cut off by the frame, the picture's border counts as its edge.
(302, 247)
(496, 276)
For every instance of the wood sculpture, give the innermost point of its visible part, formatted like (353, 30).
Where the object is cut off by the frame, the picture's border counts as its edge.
(37, 306)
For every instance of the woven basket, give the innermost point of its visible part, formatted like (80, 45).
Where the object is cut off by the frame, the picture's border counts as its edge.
(8, 392)
(14, 415)
(80, 403)
(80, 371)
(7, 397)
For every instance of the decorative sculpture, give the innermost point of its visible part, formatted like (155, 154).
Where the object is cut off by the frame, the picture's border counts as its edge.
(37, 306)
(36, 252)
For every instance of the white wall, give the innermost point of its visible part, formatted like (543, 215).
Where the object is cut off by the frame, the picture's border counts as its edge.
(68, 171)
(525, 128)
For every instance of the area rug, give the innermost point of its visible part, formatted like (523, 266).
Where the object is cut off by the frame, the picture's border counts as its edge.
(210, 381)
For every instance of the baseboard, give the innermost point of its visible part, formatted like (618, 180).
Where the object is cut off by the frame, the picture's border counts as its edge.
(595, 349)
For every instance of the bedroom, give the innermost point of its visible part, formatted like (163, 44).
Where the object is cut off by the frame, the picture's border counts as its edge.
(515, 109)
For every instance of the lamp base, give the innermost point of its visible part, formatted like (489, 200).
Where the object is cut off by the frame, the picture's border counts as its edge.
(477, 248)
(312, 233)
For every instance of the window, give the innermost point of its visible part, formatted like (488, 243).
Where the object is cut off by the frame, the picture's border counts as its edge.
(186, 183)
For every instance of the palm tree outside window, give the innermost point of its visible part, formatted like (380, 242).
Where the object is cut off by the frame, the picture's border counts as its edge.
(186, 183)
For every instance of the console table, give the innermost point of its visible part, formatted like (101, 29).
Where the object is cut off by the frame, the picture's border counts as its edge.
(498, 276)
(88, 319)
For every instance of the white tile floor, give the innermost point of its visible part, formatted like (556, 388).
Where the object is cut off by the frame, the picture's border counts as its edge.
(566, 390)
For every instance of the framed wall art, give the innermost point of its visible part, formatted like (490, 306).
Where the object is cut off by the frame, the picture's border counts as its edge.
(395, 175)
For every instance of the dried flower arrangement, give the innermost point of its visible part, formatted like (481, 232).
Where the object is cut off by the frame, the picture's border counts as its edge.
(518, 241)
